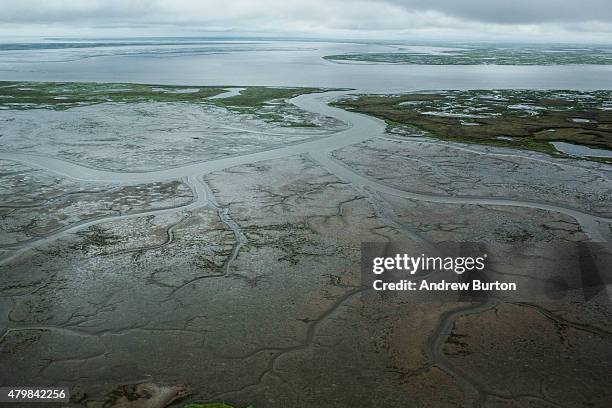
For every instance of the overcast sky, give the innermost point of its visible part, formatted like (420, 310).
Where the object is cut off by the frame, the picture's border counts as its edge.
(522, 20)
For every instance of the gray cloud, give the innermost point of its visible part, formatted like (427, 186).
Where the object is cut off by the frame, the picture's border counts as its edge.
(546, 19)
(517, 11)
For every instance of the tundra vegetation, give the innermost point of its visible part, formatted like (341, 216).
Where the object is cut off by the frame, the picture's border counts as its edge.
(267, 103)
(485, 56)
(523, 119)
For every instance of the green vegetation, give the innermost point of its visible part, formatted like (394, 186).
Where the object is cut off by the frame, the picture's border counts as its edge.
(515, 118)
(59, 95)
(258, 96)
(270, 104)
(266, 103)
(492, 55)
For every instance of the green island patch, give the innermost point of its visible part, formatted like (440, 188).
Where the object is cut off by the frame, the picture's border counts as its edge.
(65, 95)
(486, 56)
(260, 95)
(523, 119)
(266, 103)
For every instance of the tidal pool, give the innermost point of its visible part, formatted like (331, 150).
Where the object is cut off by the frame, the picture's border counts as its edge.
(582, 151)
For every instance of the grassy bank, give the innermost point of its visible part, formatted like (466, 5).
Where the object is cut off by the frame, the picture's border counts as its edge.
(266, 103)
(512, 118)
(485, 56)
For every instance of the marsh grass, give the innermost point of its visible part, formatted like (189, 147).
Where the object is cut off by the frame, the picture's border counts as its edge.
(266, 103)
(529, 119)
(486, 56)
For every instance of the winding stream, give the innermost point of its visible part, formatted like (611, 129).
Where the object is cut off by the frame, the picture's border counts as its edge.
(361, 128)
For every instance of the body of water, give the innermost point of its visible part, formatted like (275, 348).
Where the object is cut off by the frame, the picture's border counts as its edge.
(275, 63)
(581, 151)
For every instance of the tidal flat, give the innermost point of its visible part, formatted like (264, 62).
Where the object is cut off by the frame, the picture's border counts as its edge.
(168, 241)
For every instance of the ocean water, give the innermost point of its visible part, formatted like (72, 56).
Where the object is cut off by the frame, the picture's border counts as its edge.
(270, 62)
